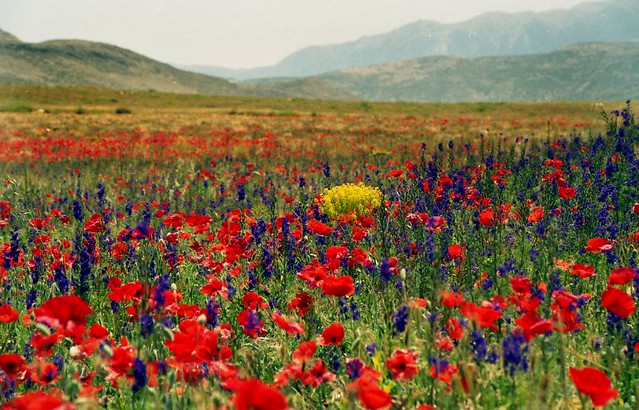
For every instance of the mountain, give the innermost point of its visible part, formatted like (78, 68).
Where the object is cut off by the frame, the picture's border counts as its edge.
(582, 72)
(85, 63)
(485, 35)
(75, 62)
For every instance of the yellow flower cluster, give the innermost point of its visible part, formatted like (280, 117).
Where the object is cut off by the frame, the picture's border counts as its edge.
(348, 201)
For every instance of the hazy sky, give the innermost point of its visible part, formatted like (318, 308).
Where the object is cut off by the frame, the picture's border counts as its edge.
(234, 33)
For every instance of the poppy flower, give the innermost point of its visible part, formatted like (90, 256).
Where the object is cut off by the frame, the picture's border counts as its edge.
(312, 274)
(255, 395)
(454, 328)
(487, 217)
(95, 224)
(451, 299)
(252, 300)
(44, 344)
(533, 325)
(304, 352)
(338, 286)
(594, 383)
(618, 302)
(581, 270)
(596, 245)
(621, 276)
(566, 192)
(443, 371)
(303, 303)
(455, 251)
(485, 316)
(292, 328)
(521, 284)
(373, 397)
(370, 395)
(11, 364)
(536, 215)
(317, 374)
(66, 312)
(319, 228)
(402, 364)
(44, 373)
(8, 314)
(332, 335)
(37, 400)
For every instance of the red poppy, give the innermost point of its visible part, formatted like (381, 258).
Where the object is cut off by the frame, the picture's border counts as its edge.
(455, 251)
(98, 332)
(292, 328)
(618, 302)
(370, 395)
(38, 400)
(594, 383)
(451, 299)
(566, 192)
(596, 245)
(95, 224)
(319, 228)
(312, 274)
(487, 217)
(635, 208)
(584, 271)
(253, 394)
(338, 285)
(304, 352)
(44, 344)
(317, 374)
(443, 372)
(402, 364)
(67, 312)
(8, 314)
(621, 276)
(253, 301)
(122, 358)
(454, 328)
(536, 215)
(44, 373)
(303, 303)
(332, 335)
(395, 173)
(11, 364)
(565, 316)
(533, 325)
(485, 316)
(444, 343)
(521, 284)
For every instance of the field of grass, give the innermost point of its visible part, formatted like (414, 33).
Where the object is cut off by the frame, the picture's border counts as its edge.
(205, 252)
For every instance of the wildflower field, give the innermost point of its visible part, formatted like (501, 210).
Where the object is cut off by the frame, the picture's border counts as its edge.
(198, 252)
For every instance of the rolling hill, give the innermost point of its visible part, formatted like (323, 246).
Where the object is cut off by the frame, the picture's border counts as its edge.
(85, 63)
(489, 34)
(582, 72)
(592, 71)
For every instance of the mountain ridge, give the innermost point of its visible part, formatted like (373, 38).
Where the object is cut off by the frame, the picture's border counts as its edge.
(590, 71)
(492, 33)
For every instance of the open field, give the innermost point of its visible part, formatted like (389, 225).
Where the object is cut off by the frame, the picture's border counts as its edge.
(207, 252)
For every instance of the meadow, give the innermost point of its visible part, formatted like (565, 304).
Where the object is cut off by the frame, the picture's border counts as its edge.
(186, 251)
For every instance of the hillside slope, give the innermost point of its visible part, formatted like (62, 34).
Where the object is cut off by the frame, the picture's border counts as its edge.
(586, 72)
